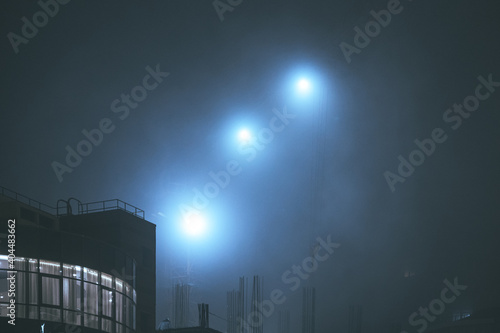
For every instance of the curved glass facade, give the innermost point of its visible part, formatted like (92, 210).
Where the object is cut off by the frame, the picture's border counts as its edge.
(72, 294)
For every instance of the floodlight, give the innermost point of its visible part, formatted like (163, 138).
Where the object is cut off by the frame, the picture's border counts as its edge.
(194, 224)
(303, 86)
(244, 136)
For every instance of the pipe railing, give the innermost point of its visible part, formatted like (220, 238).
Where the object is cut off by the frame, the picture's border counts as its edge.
(83, 208)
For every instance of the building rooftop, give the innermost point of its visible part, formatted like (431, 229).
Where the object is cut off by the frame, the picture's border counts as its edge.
(64, 206)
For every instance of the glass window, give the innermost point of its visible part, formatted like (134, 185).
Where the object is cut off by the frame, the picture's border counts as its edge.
(33, 288)
(91, 321)
(90, 275)
(20, 264)
(21, 311)
(50, 267)
(133, 317)
(33, 312)
(4, 264)
(33, 265)
(3, 310)
(119, 285)
(107, 303)
(50, 314)
(72, 294)
(128, 290)
(107, 325)
(119, 298)
(120, 328)
(90, 298)
(4, 286)
(21, 292)
(129, 313)
(50, 291)
(72, 317)
(72, 271)
(106, 280)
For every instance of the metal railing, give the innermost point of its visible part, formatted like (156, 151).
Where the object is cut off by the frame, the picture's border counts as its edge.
(83, 208)
(28, 201)
(102, 206)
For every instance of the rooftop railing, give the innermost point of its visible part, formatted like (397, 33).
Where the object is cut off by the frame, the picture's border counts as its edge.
(102, 206)
(28, 201)
(83, 208)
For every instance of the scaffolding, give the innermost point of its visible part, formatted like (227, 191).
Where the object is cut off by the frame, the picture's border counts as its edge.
(308, 309)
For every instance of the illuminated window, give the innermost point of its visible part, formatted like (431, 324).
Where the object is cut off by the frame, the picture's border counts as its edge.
(107, 303)
(90, 298)
(50, 267)
(33, 265)
(20, 264)
(90, 275)
(71, 294)
(21, 292)
(119, 307)
(72, 271)
(127, 312)
(106, 280)
(128, 290)
(119, 285)
(82, 296)
(33, 288)
(4, 264)
(50, 291)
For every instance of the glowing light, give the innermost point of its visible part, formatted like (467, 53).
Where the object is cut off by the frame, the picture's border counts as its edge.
(244, 136)
(194, 224)
(303, 86)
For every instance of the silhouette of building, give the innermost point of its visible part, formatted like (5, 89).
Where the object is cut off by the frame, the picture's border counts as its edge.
(79, 267)
(355, 319)
(483, 321)
(283, 321)
(191, 330)
(308, 309)
(203, 321)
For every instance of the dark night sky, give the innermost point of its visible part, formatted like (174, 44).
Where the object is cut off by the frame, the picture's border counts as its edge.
(322, 175)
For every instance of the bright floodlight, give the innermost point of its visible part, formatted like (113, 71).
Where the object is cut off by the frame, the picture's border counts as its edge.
(304, 86)
(244, 136)
(194, 224)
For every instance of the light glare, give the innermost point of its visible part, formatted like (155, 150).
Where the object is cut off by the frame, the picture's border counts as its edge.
(194, 224)
(244, 136)
(304, 85)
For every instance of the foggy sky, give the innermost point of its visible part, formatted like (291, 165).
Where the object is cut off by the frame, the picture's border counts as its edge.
(322, 175)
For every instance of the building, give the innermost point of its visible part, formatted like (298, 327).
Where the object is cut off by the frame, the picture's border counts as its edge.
(79, 267)
(191, 330)
(203, 321)
(308, 309)
(355, 319)
(482, 321)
